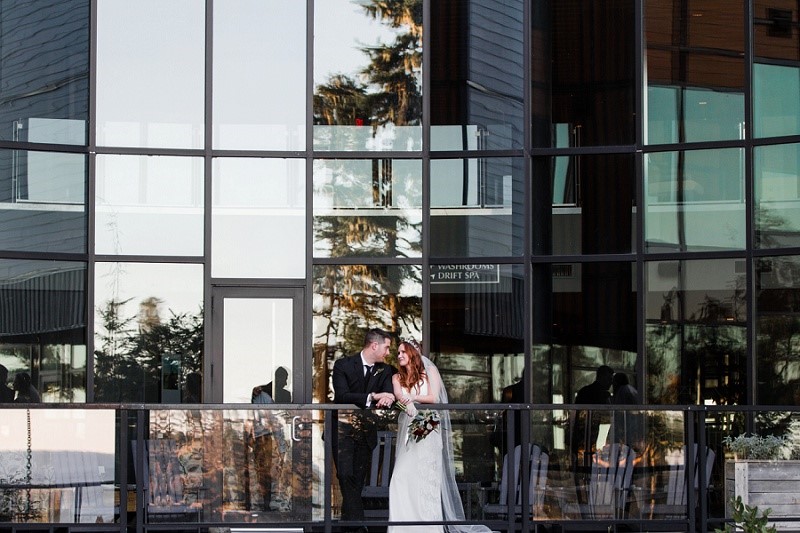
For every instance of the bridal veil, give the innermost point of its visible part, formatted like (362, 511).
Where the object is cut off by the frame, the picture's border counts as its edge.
(452, 507)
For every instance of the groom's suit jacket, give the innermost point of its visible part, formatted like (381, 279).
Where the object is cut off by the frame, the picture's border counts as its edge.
(350, 386)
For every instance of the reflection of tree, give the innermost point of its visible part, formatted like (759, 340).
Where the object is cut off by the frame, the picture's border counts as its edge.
(687, 353)
(354, 298)
(386, 92)
(389, 92)
(778, 331)
(662, 340)
(129, 358)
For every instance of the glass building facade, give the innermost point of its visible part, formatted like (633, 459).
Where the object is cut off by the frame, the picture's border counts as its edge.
(197, 194)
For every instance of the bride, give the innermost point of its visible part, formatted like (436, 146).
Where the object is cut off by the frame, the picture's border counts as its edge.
(423, 485)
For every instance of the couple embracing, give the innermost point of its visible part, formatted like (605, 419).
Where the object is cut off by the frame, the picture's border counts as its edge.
(423, 485)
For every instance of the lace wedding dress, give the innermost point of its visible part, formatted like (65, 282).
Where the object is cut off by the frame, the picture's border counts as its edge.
(423, 487)
(415, 490)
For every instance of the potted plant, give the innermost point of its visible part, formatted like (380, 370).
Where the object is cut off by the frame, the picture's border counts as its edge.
(764, 472)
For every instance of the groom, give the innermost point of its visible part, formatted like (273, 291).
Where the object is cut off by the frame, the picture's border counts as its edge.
(366, 381)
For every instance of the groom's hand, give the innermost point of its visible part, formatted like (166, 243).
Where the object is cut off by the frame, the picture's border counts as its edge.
(383, 399)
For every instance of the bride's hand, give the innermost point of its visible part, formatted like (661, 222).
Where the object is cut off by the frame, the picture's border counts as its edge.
(411, 409)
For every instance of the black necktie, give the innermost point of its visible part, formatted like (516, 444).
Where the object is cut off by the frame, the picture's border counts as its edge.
(368, 373)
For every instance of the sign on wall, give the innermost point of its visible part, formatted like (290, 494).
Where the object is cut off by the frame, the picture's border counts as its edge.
(442, 274)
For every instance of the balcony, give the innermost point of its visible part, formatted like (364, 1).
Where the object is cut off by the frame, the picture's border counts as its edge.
(517, 468)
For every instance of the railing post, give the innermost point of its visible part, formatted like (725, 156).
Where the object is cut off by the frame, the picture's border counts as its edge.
(329, 428)
(138, 468)
(123, 470)
(511, 499)
(525, 434)
(691, 466)
(702, 444)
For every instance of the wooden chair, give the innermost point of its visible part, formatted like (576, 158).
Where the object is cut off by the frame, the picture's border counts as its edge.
(537, 482)
(376, 491)
(671, 502)
(603, 492)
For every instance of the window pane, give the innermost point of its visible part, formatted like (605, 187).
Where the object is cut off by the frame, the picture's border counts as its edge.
(776, 77)
(367, 76)
(695, 72)
(259, 95)
(777, 323)
(43, 326)
(44, 71)
(477, 84)
(584, 316)
(140, 197)
(150, 83)
(70, 458)
(477, 207)
(583, 67)
(694, 200)
(367, 208)
(349, 300)
(258, 214)
(477, 329)
(148, 331)
(695, 337)
(42, 201)
(776, 100)
(777, 195)
(592, 206)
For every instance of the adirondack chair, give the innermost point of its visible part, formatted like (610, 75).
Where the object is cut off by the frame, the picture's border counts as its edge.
(376, 491)
(606, 490)
(671, 502)
(537, 482)
(163, 480)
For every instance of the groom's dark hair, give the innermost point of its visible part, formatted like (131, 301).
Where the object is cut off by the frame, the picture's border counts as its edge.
(376, 335)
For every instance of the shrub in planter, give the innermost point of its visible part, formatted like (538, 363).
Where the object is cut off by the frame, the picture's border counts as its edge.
(763, 474)
(769, 448)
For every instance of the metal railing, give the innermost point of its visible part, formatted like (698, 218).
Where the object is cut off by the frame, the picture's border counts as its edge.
(519, 467)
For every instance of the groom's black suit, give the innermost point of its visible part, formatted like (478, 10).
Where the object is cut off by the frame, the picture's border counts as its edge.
(356, 436)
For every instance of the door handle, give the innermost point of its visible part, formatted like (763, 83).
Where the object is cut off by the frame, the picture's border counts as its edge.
(294, 429)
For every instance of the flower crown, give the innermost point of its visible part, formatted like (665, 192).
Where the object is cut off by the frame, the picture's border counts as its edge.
(413, 342)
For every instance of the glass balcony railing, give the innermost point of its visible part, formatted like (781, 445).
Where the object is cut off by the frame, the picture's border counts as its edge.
(515, 468)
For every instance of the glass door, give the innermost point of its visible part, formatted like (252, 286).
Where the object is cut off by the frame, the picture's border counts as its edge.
(257, 360)
(257, 345)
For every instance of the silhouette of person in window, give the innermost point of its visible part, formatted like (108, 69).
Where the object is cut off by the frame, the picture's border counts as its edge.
(586, 427)
(192, 388)
(514, 393)
(6, 393)
(26, 392)
(269, 445)
(276, 389)
(627, 425)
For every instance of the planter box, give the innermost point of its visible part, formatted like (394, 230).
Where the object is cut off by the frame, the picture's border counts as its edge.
(766, 484)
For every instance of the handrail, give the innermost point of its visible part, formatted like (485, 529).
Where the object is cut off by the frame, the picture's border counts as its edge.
(693, 418)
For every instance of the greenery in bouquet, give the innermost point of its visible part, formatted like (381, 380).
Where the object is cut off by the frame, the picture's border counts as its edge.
(422, 424)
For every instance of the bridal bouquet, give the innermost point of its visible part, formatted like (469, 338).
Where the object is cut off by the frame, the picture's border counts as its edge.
(422, 423)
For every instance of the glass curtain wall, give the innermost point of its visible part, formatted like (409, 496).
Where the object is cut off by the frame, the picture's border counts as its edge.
(534, 190)
(44, 113)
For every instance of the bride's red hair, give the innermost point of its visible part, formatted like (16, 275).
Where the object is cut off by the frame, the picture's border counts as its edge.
(411, 374)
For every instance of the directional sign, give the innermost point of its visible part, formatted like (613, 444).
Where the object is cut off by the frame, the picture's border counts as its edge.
(441, 274)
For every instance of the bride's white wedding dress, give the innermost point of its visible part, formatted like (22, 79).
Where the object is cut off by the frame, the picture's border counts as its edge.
(423, 487)
(415, 490)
